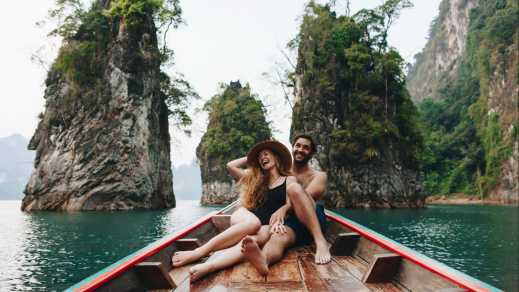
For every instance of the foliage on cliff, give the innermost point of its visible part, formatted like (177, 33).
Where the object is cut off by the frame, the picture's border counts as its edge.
(466, 140)
(357, 83)
(86, 35)
(236, 122)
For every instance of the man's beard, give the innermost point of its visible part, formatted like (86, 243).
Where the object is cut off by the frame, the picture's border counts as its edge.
(304, 161)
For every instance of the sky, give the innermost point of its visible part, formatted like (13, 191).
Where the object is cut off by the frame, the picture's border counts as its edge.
(222, 41)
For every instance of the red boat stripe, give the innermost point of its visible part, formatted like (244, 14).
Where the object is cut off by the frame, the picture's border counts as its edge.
(104, 278)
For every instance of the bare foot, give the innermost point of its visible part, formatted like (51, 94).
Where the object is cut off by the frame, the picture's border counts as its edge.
(252, 253)
(181, 258)
(198, 271)
(322, 253)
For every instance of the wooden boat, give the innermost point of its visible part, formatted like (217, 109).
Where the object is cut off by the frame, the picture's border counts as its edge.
(363, 260)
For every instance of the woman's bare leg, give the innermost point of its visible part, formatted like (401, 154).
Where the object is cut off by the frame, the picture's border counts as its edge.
(272, 251)
(227, 257)
(243, 222)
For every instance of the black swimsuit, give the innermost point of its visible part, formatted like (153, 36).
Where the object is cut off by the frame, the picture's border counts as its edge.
(274, 199)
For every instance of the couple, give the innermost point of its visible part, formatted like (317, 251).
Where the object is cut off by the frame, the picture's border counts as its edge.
(264, 224)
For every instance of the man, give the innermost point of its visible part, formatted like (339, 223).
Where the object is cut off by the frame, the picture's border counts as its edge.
(300, 232)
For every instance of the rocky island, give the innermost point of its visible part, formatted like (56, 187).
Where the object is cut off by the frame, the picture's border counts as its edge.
(350, 95)
(236, 123)
(102, 142)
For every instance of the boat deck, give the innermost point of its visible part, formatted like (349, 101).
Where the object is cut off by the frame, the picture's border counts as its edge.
(296, 272)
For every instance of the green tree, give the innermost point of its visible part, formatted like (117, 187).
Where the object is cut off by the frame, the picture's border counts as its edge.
(236, 122)
(465, 144)
(86, 33)
(357, 82)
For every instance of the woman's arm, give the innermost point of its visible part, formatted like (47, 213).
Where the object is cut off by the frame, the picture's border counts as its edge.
(235, 168)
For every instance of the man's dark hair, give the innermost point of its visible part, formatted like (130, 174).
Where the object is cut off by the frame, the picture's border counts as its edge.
(308, 137)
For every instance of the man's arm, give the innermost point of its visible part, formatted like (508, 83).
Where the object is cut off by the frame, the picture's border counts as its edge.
(317, 186)
(235, 168)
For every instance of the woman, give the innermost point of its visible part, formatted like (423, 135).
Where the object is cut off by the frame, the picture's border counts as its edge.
(262, 188)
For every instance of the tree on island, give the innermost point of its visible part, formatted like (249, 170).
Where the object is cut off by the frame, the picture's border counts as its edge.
(236, 122)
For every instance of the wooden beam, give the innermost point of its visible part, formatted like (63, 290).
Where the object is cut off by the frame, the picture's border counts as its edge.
(154, 275)
(345, 243)
(221, 222)
(383, 268)
(187, 243)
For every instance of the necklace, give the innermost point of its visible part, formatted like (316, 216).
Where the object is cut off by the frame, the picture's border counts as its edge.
(274, 183)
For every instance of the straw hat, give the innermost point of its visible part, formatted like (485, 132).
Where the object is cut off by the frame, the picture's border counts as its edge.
(278, 148)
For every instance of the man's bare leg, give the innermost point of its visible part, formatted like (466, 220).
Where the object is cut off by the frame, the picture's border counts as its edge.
(227, 257)
(304, 207)
(271, 253)
(243, 223)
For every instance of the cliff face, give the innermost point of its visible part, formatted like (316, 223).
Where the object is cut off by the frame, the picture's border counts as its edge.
(103, 141)
(470, 67)
(350, 96)
(217, 185)
(236, 123)
(502, 103)
(443, 53)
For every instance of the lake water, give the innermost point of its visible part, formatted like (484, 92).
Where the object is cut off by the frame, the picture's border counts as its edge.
(51, 251)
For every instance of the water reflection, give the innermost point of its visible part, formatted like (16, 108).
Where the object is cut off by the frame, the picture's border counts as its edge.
(51, 251)
(482, 241)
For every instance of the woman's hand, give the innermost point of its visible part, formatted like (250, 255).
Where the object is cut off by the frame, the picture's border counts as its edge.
(278, 228)
(279, 216)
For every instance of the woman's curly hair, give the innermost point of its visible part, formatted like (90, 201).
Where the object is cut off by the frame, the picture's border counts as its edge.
(254, 185)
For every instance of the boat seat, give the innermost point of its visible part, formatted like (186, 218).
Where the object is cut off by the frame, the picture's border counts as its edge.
(221, 222)
(383, 268)
(154, 276)
(187, 243)
(345, 243)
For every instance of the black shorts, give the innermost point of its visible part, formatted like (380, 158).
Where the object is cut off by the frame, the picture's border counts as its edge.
(303, 235)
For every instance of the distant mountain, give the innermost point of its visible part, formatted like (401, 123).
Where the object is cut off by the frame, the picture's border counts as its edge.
(187, 183)
(16, 164)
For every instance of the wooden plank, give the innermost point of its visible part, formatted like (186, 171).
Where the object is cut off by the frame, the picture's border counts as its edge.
(218, 281)
(187, 243)
(283, 271)
(385, 287)
(367, 249)
(296, 252)
(295, 286)
(334, 229)
(221, 222)
(345, 243)
(184, 286)
(354, 266)
(416, 278)
(245, 272)
(180, 274)
(154, 275)
(383, 268)
(329, 277)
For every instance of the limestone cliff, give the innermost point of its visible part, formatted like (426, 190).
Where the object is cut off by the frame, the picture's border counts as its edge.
(350, 96)
(502, 105)
(236, 123)
(441, 57)
(470, 67)
(103, 141)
